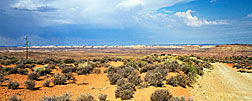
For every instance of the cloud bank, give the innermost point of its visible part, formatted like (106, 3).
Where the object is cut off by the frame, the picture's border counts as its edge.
(194, 21)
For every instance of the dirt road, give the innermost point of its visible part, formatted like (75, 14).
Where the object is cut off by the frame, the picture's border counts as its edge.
(223, 84)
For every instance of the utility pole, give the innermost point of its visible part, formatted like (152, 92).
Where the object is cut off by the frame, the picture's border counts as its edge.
(26, 43)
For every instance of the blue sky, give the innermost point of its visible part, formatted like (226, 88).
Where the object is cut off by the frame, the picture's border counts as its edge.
(125, 22)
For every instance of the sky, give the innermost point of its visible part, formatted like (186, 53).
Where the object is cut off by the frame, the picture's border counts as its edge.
(125, 22)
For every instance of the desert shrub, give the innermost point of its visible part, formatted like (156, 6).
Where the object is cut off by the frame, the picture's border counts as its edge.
(143, 85)
(107, 65)
(59, 79)
(125, 91)
(113, 77)
(66, 70)
(102, 97)
(20, 66)
(172, 81)
(154, 79)
(111, 70)
(120, 82)
(22, 71)
(161, 95)
(33, 76)
(29, 65)
(51, 66)
(135, 78)
(83, 65)
(183, 80)
(132, 64)
(85, 97)
(70, 76)
(97, 71)
(182, 98)
(142, 64)
(64, 97)
(104, 59)
(173, 66)
(42, 70)
(129, 86)
(12, 85)
(200, 71)
(124, 94)
(193, 70)
(6, 69)
(2, 79)
(125, 71)
(14, 98)
(147, 68)
(70, 60)
(13, 71)
(61, 66)
(179, 80)
(161, 70)
(85, 70)
(46, 83)
(29, 84)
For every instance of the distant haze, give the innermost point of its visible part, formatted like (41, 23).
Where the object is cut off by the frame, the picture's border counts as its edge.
(125, 22)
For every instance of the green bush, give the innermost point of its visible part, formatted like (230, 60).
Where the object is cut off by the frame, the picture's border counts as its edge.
(42, 70)
(161, 95)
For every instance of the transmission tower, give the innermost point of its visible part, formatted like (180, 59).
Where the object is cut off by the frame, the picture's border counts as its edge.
(26, 43)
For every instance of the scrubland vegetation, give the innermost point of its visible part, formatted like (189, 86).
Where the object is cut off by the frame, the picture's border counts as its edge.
(151, 70)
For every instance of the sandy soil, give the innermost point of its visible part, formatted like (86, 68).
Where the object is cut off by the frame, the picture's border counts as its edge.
(223, 84)
(94, 84)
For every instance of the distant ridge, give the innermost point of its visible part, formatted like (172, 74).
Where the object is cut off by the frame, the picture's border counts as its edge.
(8, 46)
(184, 44)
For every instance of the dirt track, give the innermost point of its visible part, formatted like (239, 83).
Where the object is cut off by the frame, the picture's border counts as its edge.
(223, 84)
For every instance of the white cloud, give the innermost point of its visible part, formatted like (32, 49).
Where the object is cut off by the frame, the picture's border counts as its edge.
(112, 13)
(129, 4)
(29, 4)
(60, 21)
(250, 15)
(194, 21)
